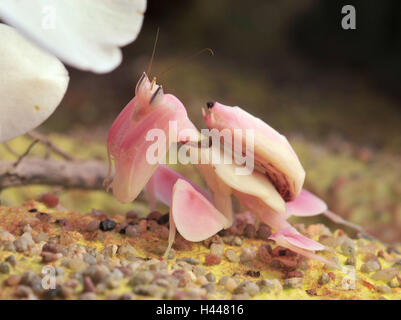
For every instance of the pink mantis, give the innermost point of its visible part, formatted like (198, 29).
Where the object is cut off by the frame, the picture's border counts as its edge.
(273, 191)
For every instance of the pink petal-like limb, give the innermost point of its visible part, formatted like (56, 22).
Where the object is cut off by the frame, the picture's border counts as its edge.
(265, 213)
(220, 191)
(160, 186)
(255, 184)
(141, 135)
(286, 235)
(193, 215)
(337, 219)
(307, 204)
(272, 151)
(223, 178)
(290, 238)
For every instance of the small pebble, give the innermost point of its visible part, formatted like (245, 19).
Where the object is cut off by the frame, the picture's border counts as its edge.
(329, 241)
(210, 288)
(211, 277)
(190, 260)
(107, 225)
(324, 279)
(14, 280)
(370, 266)
(92, 226)
(6, 236)
(4, 267)
(230, 285)
(110, 250)
(126, 250)
(132, 215)
(217, 249)
(49, 256)
(351, 261)
(201, 280)
(77, 264)
(163, 232)
(89, 259)
(263, 232)
(154, 215)
(53, 247)
(237, 241)
(49, 199)
(393, 283)
(214, 239)
(9, 246)
(142, 277)
(247, 254)
(264, 253)
(250, 231)
(11, 260)
(266, 283)
(248, 287)
(385, 274)
(231, 255)
(121, 227)
(199, 271)
(43, 216)
(223, 280)
(383, 289)
(41, 237)
(27, 229)
(228, 239)
(21, 244)
(60, 271)
(149, 290)
(295, 283)
(212, 259)
(132, 231)
(24, 292)
(88, 285)
(348, 247)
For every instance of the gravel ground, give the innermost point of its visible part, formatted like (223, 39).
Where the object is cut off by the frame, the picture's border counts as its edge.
(48, 254)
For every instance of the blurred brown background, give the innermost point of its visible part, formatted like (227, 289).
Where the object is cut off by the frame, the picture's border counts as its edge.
(334, 92)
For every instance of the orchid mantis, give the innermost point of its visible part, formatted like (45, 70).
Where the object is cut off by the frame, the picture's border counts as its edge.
(273, 191)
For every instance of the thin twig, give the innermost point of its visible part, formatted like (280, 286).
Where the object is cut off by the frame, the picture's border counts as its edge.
(22, 156)
(46, 141)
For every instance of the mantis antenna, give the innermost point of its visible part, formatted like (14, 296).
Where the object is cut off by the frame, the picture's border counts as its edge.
(186, 59)
(153, 52)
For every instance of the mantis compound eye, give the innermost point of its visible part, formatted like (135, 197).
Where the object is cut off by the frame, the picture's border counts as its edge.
(140, 82)
(210, 104)
(158, 92)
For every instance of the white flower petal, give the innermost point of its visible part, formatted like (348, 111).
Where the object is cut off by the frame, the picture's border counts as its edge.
(32, 84)
(85, 34)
